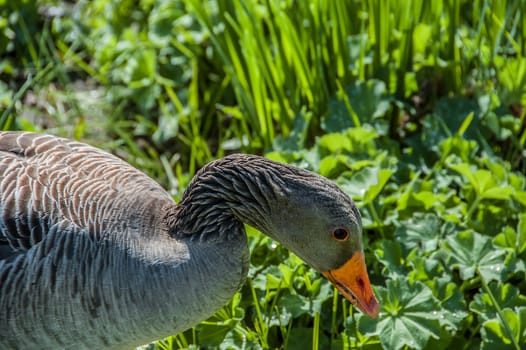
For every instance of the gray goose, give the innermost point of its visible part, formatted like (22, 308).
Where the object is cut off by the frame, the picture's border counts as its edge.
(95, 254)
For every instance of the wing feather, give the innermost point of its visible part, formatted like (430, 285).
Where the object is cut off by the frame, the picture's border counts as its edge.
(47, 182)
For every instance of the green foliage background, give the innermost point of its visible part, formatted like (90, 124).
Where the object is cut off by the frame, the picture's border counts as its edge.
(415, 108)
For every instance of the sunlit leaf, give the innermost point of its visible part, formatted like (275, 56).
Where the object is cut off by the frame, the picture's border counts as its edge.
(471, 253)
(506, 296)
(465, 124)
(460, 147)
(512, 74)
(373, 191)
(521, 197)
(502, 193)
(451, 300)
(332, 166)
(496, 336)
(484, 183)
(409, 315)
(360, 182)
(287, 274)
(421, 37)
(424, 268)
(334, 143)
(363, 140)
(514, 239)
(428, 199)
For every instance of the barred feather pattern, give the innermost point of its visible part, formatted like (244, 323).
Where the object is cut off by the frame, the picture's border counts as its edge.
(87, 257)
(48, 181)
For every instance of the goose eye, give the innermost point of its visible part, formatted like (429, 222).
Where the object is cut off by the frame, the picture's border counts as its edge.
(340, 234)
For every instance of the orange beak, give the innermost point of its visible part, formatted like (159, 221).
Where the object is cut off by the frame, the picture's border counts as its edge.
(353, 282)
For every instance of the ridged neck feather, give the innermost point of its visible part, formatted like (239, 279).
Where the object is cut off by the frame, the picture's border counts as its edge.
(230, 191)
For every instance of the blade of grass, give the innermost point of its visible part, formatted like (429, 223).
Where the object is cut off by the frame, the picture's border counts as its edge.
(261, 328)
(30, 81)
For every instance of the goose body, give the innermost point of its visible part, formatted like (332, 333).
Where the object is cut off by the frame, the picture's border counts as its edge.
(95, 254)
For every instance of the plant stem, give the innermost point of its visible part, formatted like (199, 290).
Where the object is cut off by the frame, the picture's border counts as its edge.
(334, 313)
(473, 206)
(316, 332)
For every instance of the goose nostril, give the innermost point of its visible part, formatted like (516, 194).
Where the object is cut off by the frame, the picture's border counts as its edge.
(361, 284)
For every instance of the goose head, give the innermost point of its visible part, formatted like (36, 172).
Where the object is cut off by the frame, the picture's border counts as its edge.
(304, 211)
(316, 220)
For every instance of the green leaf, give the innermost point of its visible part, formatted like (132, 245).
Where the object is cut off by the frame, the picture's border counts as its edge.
(451, 300)
(484, 183)
(334, 143)
(391, 257)
(320, 293)
(293, 304)
(428, 199)
(216, 327)
(452, 111)
(506, 296)
(424, 268)
(237, 339)
(358, 142)
(383, 176)
(271, 278)
(296, 139)
(520, 196)
(465, 124)
(332, 166)
(521, 234)
(512, 74)
(212, 334)
(514, 239)
(422, 35)
(495, 335)
(358, 182)
(367, 100)
(366, 184)
(421, 231)
(287, 275)
(455, 145)
(409, 317)
(471, 253)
